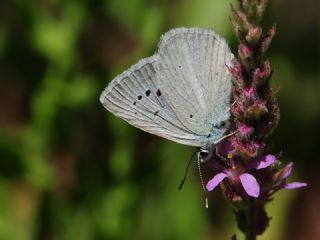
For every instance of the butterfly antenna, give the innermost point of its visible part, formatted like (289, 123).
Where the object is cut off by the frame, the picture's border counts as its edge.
(202, 183)
(186, 172)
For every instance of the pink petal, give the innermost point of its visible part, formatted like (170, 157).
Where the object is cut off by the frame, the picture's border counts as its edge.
(287, 171)
(266, 161)
(295, 185)
(250, 185)
(214, 182)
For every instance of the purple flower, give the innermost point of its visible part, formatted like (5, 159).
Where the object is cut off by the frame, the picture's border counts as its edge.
(280, 179)
(244, 164)
(216, 180)
(295, 185)
(248, 181)
(236, 174)
(263, 162)
(250, 184)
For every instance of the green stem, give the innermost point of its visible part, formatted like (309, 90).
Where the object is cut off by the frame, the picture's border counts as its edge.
(251, 229)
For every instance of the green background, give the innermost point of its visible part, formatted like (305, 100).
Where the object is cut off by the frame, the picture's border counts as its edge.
(71, 170)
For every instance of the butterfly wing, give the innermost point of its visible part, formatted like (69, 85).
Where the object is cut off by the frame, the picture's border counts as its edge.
(179, 92)
(135, 97)
(194, 77)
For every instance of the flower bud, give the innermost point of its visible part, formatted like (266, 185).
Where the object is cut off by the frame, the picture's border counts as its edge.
(246, 56)
(237, 109)
(266, 39)
(254, 35)
(281, 175)
(237, 74)
(260, 75)
(242, 19)
(256, 110)
(245, 51)
(261, 7)
(249, 92)
(247, 150)
(273, 118)
(237, 29)
(245, 131)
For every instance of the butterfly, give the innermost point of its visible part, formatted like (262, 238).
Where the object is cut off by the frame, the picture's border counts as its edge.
(181, 93)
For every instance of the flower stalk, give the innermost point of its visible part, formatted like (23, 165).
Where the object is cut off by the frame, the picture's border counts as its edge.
(247, 172)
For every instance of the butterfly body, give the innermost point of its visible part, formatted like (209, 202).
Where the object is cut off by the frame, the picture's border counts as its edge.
(181, 93)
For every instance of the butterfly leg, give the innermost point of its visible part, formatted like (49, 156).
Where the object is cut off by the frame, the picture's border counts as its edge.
(219, 155)
(216, 148)
(224, 137)
(229, 108)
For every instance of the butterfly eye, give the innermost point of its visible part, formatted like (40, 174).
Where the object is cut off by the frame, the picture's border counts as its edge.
(203, 153)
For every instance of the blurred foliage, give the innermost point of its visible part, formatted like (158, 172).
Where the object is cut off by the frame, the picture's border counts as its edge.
(70, 170)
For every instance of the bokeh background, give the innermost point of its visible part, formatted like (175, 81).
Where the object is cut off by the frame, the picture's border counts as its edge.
(71, 170)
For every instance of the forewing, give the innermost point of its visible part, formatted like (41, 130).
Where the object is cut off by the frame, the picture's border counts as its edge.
(135, 97)
(194, 77)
